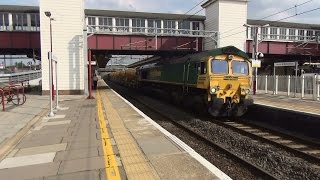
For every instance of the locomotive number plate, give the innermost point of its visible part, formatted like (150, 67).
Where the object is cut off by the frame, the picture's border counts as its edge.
(230, 78)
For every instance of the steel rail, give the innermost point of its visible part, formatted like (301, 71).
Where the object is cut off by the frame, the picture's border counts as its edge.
(202, 138)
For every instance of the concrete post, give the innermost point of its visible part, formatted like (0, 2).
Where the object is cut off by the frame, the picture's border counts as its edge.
(289, 81)
(302, 87)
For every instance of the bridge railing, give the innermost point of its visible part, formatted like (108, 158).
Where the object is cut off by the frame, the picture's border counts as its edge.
(149, 31)
(304, 87)
(19, 77)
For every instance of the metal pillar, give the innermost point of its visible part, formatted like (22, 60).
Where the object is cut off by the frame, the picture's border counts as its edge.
(266, 85)
(51, 82)
(277, 84)
(256, 47)
(57, 90)
(51, 114)
(90, 76)
(289, 85)
(302, 87)
(318, 87)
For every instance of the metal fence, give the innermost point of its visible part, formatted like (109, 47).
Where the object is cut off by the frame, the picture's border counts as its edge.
(305, 87)
(19, 77)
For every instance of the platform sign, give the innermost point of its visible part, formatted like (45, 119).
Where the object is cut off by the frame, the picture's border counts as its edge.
(256, 63)
(55, 58)
(282, 64)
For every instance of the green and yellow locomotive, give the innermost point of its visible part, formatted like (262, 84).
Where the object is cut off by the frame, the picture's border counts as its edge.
(216, 81)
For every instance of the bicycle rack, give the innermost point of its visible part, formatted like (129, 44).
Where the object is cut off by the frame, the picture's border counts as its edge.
(12, 89)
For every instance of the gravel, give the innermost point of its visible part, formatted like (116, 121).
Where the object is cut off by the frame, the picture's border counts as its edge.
(277, 161)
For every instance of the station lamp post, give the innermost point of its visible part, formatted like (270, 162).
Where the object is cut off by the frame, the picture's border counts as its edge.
(48, 14)
(255, 51)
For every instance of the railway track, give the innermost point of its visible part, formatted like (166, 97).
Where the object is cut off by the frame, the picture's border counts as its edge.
(301, 148)
(262, 173)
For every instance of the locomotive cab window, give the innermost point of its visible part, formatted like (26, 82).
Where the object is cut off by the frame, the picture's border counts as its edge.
(240, 68)
(219, 67)
(202, 68)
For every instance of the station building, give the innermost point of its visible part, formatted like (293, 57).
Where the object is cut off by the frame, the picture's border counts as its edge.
(77, 32)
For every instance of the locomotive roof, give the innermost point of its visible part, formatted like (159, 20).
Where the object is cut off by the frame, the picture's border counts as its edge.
(219, 51)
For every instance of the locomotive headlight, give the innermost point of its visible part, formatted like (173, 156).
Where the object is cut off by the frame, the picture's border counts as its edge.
(247, 91)
(213, 90)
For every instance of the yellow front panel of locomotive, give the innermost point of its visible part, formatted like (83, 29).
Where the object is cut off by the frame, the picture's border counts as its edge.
(229, 85)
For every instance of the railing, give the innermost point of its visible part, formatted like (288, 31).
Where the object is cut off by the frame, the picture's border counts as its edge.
(20, 77)
(150, 31)
(305, 87)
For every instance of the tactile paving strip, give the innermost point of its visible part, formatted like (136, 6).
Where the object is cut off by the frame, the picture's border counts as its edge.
(133, 159)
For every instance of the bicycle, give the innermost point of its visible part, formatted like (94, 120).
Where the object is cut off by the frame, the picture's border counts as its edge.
(15, 97)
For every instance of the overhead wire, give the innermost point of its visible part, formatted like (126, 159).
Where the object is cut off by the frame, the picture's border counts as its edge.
(293, 7)
(297, 14)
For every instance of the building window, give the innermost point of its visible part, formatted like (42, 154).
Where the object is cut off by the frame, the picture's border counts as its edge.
(195, 28)
(105, 24)
(153, 25)
(169, 26)
(310, 34)
(92, 21)
(122, 25)
(301, 34)
(253, 32)
(273, 33)
(292, 34)
(264, 32)
(35, 22)
(19, 21)
(4, 21)
(283, 33)
(138, 25)
(184, 27)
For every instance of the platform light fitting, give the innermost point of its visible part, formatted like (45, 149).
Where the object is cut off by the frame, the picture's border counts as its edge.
(48, 13)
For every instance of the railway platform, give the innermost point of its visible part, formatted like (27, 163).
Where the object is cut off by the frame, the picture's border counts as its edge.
(298, 105)
(102, 138)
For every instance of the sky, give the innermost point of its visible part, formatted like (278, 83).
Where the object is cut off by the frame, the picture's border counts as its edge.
(257, 9)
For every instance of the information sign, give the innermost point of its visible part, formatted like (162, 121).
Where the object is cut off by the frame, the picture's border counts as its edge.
(282, 64)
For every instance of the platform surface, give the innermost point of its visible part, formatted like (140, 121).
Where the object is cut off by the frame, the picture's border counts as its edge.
(291, 104)
(102, 138)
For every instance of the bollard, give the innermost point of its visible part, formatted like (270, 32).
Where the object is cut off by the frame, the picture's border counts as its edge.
(302, 87)
(277, 83)
(266, 86)
(289, 80)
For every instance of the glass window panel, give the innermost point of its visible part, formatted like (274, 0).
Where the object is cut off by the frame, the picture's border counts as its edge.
(92, 21)
(195, 26)
(301, 34)
(219, 67)
(1, 19)
(292, 34)
(240, 67)
(283, 33)
(273, 33)
(264, 32)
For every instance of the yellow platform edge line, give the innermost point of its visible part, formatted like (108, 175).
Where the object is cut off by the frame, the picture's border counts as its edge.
(112, 170)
